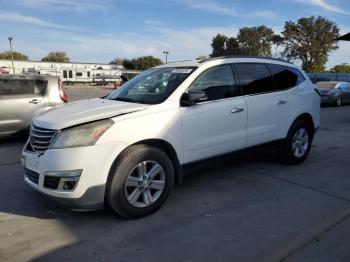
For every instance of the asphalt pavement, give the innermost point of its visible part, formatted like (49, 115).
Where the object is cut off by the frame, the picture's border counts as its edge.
(242, 207)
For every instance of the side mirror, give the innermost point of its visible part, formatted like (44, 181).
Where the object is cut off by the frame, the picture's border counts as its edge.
(193, 97)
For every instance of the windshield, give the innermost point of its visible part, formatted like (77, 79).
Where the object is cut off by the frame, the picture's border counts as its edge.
(152, 86)
(325, 85)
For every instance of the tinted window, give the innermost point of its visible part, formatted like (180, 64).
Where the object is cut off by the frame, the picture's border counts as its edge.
(41, 86)
(217, 83)
(79, 74)
(64, 73)
(88, 73)
(70, 74)
(254, 78)
(285, 77)
(16, 87)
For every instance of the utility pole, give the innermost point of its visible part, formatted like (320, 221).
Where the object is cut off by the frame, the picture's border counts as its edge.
(10, 38)
(166, 55)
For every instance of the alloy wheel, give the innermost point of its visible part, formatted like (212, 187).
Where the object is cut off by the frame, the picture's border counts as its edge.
(144, 184)
(300, 142)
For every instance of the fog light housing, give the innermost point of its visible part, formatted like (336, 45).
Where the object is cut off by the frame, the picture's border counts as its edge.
(68, 179)
(68, 184)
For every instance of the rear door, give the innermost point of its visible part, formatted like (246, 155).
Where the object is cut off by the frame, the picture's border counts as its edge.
(267, 107)
(19, 102)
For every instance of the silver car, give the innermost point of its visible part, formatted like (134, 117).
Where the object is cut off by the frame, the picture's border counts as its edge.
(334, 93)
(23, 97)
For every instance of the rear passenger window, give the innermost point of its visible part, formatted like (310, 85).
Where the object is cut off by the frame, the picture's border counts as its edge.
(254, 78)
(217, 83)
(41, 86)
(16, 87)
(285, 77)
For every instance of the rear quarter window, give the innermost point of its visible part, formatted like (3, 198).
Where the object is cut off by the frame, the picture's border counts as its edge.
(285, 77)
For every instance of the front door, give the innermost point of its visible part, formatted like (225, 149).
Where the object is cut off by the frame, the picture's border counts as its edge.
(218, 125)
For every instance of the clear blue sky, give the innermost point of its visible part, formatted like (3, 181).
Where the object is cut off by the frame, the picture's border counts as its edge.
(98, 31)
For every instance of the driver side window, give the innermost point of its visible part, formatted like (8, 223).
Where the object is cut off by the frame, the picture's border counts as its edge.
(217, 82)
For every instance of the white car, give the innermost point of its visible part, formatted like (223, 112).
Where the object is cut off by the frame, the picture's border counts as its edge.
(129, 148)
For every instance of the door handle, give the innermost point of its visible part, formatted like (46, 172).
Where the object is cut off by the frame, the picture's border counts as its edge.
(281, 102)
(237, 110)
(34, 101)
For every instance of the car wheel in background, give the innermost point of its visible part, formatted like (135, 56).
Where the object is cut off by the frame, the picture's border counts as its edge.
(140, 181)
(339, 101)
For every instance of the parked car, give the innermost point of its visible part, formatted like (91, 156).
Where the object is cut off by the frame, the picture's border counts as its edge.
(23, 97)
(334, 93)
(128, 148)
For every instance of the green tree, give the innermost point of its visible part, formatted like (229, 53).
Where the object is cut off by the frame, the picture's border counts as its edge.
(16, 56)
(57, 56)
(117, 61)
(232, 46)
(343, 68)
(310, 40)
(219, 45)
(129, 64)
(141, 63)
(256, 41)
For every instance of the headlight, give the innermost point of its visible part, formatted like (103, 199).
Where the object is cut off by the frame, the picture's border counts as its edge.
(82, 135)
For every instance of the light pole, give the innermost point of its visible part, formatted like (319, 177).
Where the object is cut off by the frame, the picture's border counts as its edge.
(10, 38)
(166, 55)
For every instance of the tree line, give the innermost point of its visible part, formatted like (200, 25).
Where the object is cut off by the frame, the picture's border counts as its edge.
(309, 40)
(57, 56)
(140, 63)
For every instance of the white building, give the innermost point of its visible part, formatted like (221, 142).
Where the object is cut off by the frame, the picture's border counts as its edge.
(68, 72)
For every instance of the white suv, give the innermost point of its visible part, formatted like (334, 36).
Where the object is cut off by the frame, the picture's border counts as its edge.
(129, 148)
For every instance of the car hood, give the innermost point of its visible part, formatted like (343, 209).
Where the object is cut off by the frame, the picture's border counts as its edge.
(84, 111)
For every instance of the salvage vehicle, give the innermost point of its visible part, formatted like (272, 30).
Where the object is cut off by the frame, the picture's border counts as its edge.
(24, 97)
(129, 148)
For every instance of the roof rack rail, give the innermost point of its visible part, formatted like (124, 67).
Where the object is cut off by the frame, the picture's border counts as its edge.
(244, 56)
(178, 61)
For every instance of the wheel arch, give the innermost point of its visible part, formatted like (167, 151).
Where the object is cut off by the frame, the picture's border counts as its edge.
(169, 150)
(162, 145)
(305, 117)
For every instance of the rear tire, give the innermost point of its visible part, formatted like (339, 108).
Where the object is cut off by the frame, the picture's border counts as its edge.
(140, 181)
(296, 146)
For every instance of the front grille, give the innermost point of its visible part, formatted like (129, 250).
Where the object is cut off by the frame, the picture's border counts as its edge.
(40, 138)
(51, 182)
(32, 176)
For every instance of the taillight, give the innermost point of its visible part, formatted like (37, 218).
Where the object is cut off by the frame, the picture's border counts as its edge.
(63, 94)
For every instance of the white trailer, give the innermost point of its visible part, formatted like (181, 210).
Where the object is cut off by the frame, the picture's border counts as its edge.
(68, 72)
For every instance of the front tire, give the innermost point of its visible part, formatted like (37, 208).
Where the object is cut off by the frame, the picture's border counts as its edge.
(140, 181)
(297, 144)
